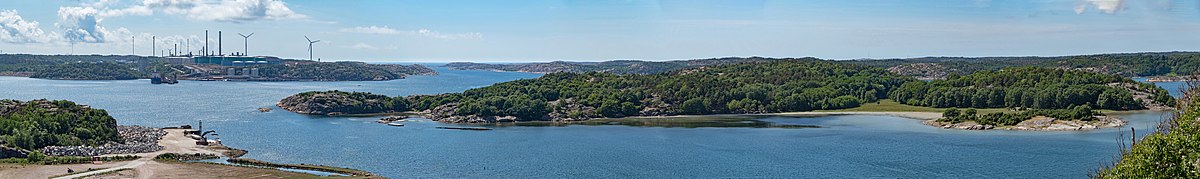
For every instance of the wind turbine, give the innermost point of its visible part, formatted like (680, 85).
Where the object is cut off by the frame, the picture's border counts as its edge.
(310, 50)
(246, 43)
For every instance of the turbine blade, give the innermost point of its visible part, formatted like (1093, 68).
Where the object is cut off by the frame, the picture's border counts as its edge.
(306, 38)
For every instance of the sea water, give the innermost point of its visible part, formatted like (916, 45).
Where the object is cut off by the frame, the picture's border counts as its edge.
(847, 146)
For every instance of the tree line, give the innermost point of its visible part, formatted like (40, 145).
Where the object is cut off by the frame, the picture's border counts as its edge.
(1029, 87)
(787, 85)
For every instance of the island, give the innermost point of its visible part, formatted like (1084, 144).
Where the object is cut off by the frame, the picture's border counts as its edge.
(1016, 98)
(340, 102)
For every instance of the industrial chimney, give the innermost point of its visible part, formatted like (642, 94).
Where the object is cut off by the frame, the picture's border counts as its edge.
(219, 42)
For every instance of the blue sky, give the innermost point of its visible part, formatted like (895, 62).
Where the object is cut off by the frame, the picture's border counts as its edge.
(594, 30)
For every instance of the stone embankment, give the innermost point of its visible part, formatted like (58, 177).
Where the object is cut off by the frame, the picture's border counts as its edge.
(137, 139)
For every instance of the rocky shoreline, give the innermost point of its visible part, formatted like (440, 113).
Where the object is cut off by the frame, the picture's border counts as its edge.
(1039, 123)
(137, 139)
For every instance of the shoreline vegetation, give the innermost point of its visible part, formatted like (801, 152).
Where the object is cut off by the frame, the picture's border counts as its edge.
(1168, 151)
(1017, 98)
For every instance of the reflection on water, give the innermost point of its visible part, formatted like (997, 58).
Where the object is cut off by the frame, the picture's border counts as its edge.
(845, 146)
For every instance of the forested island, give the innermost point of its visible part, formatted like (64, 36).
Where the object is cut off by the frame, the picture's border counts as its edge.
(113, 67)
(1123, 64)
(340, 102)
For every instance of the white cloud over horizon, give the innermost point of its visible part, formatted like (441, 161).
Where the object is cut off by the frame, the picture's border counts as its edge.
(234, 11)
(385, 30)
(378, 30)
(15, 29)
(364, 46)
(1104, 6)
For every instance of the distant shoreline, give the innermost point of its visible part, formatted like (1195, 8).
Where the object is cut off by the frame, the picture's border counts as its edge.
(910, 115)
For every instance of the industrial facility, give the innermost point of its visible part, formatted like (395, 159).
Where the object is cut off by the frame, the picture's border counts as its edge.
(234, 60)
(214, 64)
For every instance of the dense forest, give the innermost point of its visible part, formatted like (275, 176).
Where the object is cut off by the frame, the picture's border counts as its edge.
(35, 124)
(1031, 87)
(786, 85)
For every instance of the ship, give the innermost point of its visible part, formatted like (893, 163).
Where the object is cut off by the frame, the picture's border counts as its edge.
(159, 78)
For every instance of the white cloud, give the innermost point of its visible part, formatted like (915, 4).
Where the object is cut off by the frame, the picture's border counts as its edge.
(136, 10)
(436, 34)
(82, 24)
(14, 29)
(244, 10)
(235, 11)
(363, 46)
(372, 30)
(384, 30)
(1105, 6)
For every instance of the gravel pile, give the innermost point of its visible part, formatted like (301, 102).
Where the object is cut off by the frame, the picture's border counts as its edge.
(137, 139)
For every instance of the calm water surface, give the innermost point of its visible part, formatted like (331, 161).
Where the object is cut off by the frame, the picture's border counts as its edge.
(856, 146)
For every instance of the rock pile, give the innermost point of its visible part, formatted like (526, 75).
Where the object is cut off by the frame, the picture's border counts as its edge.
(137, 139)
